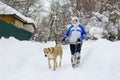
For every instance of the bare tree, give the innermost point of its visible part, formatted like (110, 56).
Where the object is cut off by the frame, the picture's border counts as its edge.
(58, 18)
(26, 7)
(113, 7)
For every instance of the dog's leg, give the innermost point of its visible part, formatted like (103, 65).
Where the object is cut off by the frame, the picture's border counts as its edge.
(56, 61)
(54, 65)
(60, 60)
(49, 63)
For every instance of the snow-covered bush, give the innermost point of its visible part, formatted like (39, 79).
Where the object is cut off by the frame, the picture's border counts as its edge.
(96, 28)
(99, 26)
(96, 32)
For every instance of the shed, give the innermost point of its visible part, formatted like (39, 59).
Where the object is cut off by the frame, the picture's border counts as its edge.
(9, 18)
(12, 16)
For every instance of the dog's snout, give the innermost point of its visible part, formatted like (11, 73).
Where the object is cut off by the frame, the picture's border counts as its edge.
(45, 55)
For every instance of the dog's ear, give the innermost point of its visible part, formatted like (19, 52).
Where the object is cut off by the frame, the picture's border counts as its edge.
(44, 49)
(49, 49)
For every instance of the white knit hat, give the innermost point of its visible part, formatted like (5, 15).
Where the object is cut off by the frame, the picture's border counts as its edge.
(74, 18)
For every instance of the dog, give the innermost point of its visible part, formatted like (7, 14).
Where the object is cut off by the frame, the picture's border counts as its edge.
(52, 53)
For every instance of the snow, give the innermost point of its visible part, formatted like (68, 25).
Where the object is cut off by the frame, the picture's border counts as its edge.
(102, 17)
(97, 26)
(117, 12)
(5, 9)
(24, 60)
(96, 32)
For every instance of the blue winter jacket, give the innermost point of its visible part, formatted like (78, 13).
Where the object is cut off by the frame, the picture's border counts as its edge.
(75, 32)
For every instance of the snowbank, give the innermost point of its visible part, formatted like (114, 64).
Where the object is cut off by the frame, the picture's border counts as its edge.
(102, 60)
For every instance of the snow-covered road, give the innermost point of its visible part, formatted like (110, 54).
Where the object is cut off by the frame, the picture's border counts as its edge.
(24, 60)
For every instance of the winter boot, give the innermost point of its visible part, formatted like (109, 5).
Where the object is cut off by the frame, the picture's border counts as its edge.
(73, 61)
(72, 57)
(78, 59)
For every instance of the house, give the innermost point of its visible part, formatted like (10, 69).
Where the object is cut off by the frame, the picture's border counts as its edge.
(22, 25)
(18, 22)
(11, 16)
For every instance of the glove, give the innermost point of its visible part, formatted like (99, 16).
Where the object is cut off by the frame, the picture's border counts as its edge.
(63, 39)
(79, 40)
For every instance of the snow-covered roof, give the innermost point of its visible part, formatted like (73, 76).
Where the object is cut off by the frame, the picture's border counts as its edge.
(7, 10)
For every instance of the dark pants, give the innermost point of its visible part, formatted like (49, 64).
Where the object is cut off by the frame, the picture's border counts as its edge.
(74, 48)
